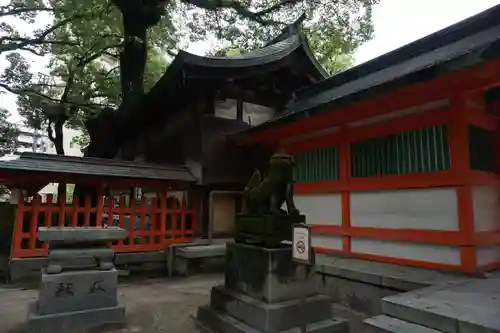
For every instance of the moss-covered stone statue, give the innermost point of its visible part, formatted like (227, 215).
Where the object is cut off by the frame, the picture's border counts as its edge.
(269, 194)
(264, 222)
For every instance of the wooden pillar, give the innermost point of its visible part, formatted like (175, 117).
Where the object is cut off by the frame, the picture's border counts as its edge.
(460, 167)
(345, 175)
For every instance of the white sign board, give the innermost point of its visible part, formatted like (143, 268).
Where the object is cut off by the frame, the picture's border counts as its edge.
(301, 244)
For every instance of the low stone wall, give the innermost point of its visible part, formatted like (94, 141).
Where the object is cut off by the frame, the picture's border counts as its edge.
(357, 286)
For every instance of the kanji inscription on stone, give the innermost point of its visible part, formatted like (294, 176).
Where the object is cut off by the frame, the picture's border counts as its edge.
(64, 289)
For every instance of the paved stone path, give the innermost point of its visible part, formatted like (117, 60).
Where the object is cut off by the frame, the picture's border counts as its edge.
(153, 305)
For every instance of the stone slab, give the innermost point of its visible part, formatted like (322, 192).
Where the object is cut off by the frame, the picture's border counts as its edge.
(270, 317)
(73, 253)
(81, 234)
(80, 258)
(74, 321)
(386, 324)
(402, 278)
(201, 251)
(471, 306)
(268, 275)
(211, 319)
(77, 290)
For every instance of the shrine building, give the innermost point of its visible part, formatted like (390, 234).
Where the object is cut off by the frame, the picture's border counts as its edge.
(397, 158)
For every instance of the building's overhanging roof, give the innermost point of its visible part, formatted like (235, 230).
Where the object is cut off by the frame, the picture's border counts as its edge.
(292, 51)
(29, 163)
(465, 44)
(188, 72)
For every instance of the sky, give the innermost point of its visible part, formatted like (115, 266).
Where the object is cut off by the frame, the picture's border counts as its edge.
(396, 22)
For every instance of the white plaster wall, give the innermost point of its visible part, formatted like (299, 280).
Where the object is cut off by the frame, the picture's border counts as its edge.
(486, 203)
(320, 208)
(432, 209)
(487, 254)
(327, 241)
(442, 254)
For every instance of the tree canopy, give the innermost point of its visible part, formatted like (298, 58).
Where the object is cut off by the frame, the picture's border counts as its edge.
(82, 77)
(8, 139)
(8, 134)
(85, 41)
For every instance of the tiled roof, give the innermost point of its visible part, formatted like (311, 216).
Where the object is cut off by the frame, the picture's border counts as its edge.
(33, 162)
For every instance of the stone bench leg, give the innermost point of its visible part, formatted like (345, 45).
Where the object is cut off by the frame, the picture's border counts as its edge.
(185, 266)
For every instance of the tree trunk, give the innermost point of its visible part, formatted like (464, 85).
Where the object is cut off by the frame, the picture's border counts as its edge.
(58, 140)
(133, 59)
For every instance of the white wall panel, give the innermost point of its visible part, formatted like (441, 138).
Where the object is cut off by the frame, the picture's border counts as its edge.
(487, 255)
(320, 208)
(486, 203)
(327, 241)
(433, 209)
(442, 254)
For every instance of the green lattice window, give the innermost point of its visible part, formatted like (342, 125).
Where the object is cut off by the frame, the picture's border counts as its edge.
(482, 149)
(317, 165)
(423, 150)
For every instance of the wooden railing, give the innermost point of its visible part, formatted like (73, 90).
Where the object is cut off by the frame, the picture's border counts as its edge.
(151, 226)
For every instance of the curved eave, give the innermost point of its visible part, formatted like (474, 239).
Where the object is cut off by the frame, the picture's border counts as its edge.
(289, 51)
(322, 73)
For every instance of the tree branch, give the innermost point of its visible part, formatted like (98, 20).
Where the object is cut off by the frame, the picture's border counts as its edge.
(24, 10)
(111, 71)
(276, 7)
(242, 10)
(23, 43)
(50, 132)
(28, 91)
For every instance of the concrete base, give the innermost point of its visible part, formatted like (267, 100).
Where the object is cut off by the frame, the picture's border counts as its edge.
(269, 317)
(77, 290)
(217, 321)
(268, 275)
(262, 293)
(75, 321)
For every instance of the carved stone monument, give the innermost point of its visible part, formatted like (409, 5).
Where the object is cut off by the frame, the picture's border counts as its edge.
(78, 290)
(263, 288)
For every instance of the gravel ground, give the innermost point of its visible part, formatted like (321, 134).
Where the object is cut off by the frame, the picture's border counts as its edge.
(153, 305)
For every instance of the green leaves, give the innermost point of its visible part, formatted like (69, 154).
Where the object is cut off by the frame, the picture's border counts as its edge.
(335, 28)
(85, 38)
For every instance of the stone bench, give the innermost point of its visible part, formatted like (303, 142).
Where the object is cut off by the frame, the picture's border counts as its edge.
(195, 258)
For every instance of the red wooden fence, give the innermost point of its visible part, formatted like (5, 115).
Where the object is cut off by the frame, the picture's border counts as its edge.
(151, 226)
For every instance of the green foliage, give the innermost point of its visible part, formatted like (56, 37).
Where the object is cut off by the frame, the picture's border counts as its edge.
(83, 44)
(335, 29)
(84, 39)
(8, 138)
(8, 134)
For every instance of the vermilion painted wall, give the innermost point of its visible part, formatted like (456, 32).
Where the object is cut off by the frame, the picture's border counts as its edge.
(445, 219)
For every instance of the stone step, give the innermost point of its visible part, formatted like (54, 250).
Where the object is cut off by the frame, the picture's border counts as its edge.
(270, 317)
(386, 324)
(471, 306)
(213, 320)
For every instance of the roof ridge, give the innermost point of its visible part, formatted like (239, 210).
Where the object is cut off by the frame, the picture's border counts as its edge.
(291, 29)
(469, 26)
(93, 160)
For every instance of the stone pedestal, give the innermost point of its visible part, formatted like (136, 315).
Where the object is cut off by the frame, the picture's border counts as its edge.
(267, 230)
(78, 290)
(262, 293)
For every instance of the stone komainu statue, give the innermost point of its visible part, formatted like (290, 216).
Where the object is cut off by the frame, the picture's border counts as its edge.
(268, 195)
